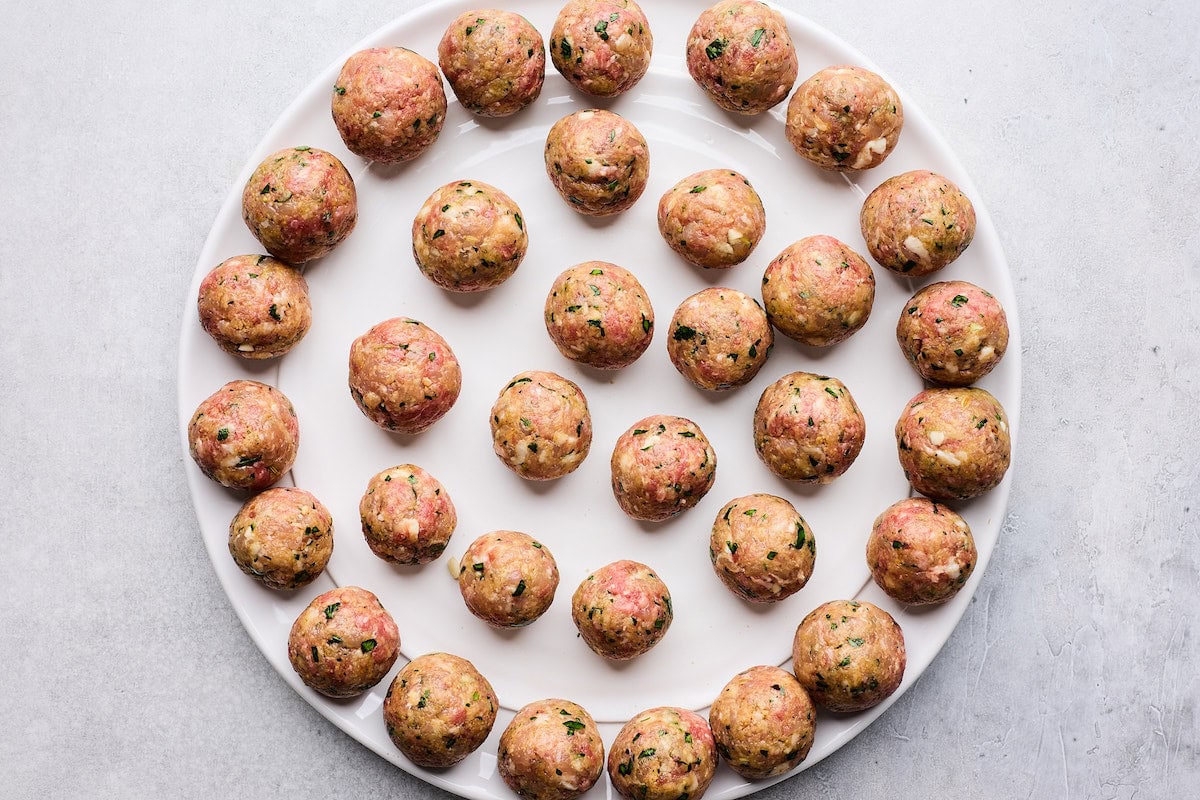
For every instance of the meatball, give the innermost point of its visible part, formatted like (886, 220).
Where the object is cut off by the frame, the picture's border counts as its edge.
(507, 578)
(720, 338)
(917, 223)
(713, 218)
(763, 722)
(541, 427)
(494, 60)
(598, 161)
(254, 306)
(920, 552)
(403, 375)
(663, 754)
(388, 104)
(602, 47)
(300, 203)
(808, 428)
(953, 443)
(469, 236)
(661, 466)
(761, 548)
(282, 538)
(741, 55)
(818, 291)
(344, 642)
(849, 655)
(245, 435)
(622, 610)
(844, 118)
(407, 515)
(953, 332)
(598, 314)
(439, 710)
(552, 750)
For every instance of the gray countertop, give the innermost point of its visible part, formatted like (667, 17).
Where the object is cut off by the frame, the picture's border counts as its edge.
(1073, 673)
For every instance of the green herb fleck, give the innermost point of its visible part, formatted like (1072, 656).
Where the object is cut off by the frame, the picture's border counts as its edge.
(715, 48)
(564, 47)
(573, 725)
(424, 699)
(222, 434)
(520, 222)
(274, 312)
(339, 89)
(367, 646)
(697, 189)
(958, 300)
(438, 234)
(757, 38)
(602, 29)
(683, 332)
(647, 753)
(330, 610)
(771, 555)
(520, 590)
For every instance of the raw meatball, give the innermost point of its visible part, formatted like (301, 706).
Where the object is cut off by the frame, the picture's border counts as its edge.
(953, 443)
(714, 218)
(344, 642)
(541, 427)
(282, 537)
(439, 710)
(388, 104)
(953, 333)
(507, 579)
(720, 338)
(245, 435)
(920, 552)
(849, 655)
(407, 516)
(818, 291)
(469, 236)
(761, 548)
(763, 722)
(917, 223)
(741, 55)
(663, 754)
(602, 47)
(300, 203)
(844, 118)
(662, 466)
(403, 375)
(808, 428)
(495, 61)
(254, 306)
(598, 161)
(598, 314)
(552, 750)
(622, 610)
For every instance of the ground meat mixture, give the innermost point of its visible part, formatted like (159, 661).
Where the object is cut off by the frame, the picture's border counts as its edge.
(920, 552)
(917, 223)
(598, 161)
(282, 538)
(844, 118)
(719, 338)
(763, 722)
(761, 548)
(494, 60)
(602, 47)
(254, 306)
(849, 655)
(344, 642)
(808, 428)
(388, 104)
(245, 435)
(507, 578)
(598, 314)
(661, 466)
(953, 332)
(713, 218)
(407, 516)
(622, 610)
(469, 236)
(541, 426)
(551, 750)
(818, 291)
(741, 55)
(663, 754)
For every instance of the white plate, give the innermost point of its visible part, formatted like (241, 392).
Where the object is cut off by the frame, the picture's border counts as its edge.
(497, 334)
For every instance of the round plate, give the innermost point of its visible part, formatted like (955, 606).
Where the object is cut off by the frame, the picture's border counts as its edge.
(499, 333)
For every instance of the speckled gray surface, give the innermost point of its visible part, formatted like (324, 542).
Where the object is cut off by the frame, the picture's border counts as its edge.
(1073, 673)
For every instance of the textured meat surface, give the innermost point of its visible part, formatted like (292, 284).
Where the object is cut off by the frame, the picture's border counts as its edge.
(407, 516)
(388, 104)
(845, 118)
(663, 753)
(602, 47)
(599, 314)
(598, 161)
(622, 610)
(953, 333)
(245, 435)
(818, 291)
(917, 223)
(495, 61)
(808, 428)
(541, 426)
(719, 338)
(761, 548)
(849, 655)
(713, 218)
(920, 552)
(469, 236)
(741, 54)
(507, 578)
(282, 537)
(344, 642)
(551, 750)
(254, 306)
(953, 443)
(763, 722)
(661, 466)
(439, 709)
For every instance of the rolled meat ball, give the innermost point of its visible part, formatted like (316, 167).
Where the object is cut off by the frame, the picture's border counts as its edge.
(663, 753)
(622, 610)
(494, 60)
(808, 428)
(713, 218)
(849, 655)
(598, 161)
(245, 435)
(917, 223)
(953, 333)
(599, 314)
(439, 709)
(344, 642)
(551, 750)
(541, 426)
(761, 548)
(763, 722)
(602, 47)
(661, 466)
(818, 291)
(720, 338)
(920, 552)
(254, 306)
(954, 444)
(403, 375)
(282, 538)
(388, 104)
(741, 54)
(300, 203)
(507, 578)
(407, 516)
(469, 236)
(844, 118)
